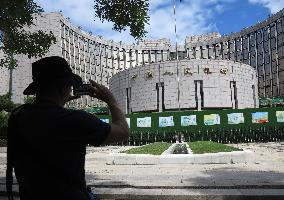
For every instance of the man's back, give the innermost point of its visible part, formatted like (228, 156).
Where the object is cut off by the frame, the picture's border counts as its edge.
(49, 145)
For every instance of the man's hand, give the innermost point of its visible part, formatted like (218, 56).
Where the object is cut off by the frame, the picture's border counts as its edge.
(119, 128)
(102, 93)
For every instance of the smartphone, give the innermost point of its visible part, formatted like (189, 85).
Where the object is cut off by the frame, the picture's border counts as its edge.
(84, 89)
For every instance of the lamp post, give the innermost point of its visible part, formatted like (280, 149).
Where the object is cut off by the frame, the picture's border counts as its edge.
(177, 57)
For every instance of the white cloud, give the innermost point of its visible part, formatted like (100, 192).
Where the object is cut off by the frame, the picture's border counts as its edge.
(273, 5)
(193, 17)
(81, 13)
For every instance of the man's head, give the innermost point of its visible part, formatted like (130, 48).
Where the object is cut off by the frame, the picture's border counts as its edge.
(52, 79)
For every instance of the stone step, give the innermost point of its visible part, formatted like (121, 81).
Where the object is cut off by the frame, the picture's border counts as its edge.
(190, 194)
(182, 194)
(126, 192)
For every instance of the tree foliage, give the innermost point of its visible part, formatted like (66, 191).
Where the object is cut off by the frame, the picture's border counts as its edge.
(29, 99)
(15, 17)
(6, 104)
(124, 13)
(3, 120)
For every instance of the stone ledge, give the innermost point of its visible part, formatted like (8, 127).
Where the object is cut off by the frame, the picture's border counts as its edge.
(193, 194)
(182, 194)
(245, 156)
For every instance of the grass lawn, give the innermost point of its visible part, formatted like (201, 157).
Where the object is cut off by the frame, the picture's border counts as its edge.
(200, 147)
(156, 148)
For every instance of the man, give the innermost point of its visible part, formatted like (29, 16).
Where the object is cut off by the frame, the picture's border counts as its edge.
(47, 143)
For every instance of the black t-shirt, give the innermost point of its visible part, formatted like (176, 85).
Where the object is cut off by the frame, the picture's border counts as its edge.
(49, 147)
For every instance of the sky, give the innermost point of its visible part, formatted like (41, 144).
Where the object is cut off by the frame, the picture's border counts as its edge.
(194, 17)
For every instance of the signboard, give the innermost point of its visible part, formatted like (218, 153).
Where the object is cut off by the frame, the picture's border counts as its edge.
(236, 118)
(212, 119)
(105, 120)
(166, 121)
(280, 116)
(259, 117)
(188, 120)
(128, 122)
(144, 122)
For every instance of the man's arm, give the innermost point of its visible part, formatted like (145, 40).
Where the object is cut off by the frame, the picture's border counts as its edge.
(119, 127)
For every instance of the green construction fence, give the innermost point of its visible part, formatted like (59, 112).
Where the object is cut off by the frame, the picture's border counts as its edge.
(248, 131)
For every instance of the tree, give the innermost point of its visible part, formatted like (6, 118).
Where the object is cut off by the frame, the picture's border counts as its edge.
(124, 13)
(3, 124)
(6, 104)
(15, 16)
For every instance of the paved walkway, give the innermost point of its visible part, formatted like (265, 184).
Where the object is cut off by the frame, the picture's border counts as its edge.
(264, 177)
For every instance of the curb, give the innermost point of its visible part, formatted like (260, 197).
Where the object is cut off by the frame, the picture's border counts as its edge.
(245, 156)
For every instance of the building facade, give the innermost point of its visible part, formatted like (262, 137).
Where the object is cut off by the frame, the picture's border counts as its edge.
(203, 84)
(260, 46)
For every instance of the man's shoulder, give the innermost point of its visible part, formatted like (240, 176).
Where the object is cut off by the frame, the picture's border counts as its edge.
(79, 113)
(75, 112)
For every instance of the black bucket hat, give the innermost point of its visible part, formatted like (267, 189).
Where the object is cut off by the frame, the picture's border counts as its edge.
(51, 70)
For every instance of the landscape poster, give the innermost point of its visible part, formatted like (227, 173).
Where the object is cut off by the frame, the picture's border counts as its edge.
(166, 121)
(236, 118)
(212, 119)
(188, 120)
(259, 117)
(280, 116)
(128, 122)
(144, 122)
(105, 120)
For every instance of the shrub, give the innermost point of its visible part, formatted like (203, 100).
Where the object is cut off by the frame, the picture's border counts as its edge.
(3, 124)
(6, 103)
(29, 99)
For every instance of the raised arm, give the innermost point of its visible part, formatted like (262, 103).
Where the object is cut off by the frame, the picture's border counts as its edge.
(119, 128)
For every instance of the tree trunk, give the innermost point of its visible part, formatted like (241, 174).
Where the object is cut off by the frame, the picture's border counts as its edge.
(11, 67)
(10, 81)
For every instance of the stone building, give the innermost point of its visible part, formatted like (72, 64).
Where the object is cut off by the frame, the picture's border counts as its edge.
(203, 84)
(260, 46)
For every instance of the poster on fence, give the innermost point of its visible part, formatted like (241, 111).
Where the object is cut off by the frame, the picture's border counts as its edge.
(188, 120)
(128, 122)
(259, 117)
(144, 122)
(166, 121)
(105, 120)
(280, 116)
(236, 118)
(212, 119)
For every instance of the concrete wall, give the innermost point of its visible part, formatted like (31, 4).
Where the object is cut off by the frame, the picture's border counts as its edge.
(160, 92)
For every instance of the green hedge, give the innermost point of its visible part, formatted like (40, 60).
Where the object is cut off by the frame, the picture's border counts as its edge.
(221, 135)
(224, 132)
